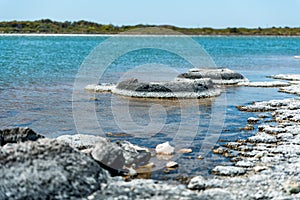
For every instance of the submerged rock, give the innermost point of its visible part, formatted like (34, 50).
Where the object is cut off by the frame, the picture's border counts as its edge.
(289, 77)
(218, 76)
(104, 87)
(185, 151)
(265, 84)
(293, 89)
(253, 120)
(171, 164)
(262, 137)
(48, 169)
(17, 135)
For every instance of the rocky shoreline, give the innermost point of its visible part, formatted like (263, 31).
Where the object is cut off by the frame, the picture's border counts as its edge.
(264, 166)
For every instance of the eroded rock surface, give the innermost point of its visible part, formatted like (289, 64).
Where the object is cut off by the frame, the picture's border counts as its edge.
(17, 135)
(48, 169)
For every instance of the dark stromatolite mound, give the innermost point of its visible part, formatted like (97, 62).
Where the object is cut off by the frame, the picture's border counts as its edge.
(181, 88)
(16, 135)
(218, 76)
(48, 169)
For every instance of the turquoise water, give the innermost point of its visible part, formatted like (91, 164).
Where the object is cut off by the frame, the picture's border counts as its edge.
(37, 75)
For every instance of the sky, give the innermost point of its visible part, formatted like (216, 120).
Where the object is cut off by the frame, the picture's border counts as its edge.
(182, 13)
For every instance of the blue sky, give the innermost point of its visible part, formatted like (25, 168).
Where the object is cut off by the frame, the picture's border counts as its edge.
(183, 13)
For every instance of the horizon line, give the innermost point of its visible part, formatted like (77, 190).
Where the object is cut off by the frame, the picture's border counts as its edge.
(151, 25)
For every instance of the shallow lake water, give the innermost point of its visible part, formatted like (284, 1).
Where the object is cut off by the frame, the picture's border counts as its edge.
(37, 75)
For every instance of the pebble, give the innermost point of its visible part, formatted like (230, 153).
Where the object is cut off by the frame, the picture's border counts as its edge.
(228, 170)
(165, 149)
(185, 151)
(253, 120)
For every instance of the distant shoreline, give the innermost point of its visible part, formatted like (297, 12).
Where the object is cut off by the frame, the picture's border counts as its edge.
(131, 35)
(47, 26)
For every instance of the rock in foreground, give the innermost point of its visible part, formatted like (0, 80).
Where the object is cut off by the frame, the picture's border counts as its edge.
(110, 155)
(81, 141)
(47, 169)
(143, 189)
(134, 155)
(17, 135)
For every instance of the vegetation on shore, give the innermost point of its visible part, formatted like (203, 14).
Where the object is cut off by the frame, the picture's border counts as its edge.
(85, 27)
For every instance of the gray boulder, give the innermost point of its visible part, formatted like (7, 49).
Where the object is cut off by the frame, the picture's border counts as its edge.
(197, 183)
(215, 194)
(81, 141)
(110, 155)
(143, 189)
(134, 155)
(47, 169)
(228, 170)
(16, 135)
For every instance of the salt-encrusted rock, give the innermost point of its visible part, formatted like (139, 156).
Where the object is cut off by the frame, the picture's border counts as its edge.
(48, 169)
(169, 89)
(296, 140)
(244, 163)
(133, 154)
(265, 106)
(215, 194)
(271, 130)
(285, 136)
(248, 127)
(256, 108)
(286, 149)
(265, 84)
(290, 77)
(104, 87)
(171, 164)
(109, 155)
(16, 135)
(259, 168)
(81, 141)
(197, 183)
(228, 170)
(164, 148)
(260, 154)
(233, 145)
(218, 76)
(297, 57)
(293, 89)
(253, 120)
(262, 137)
